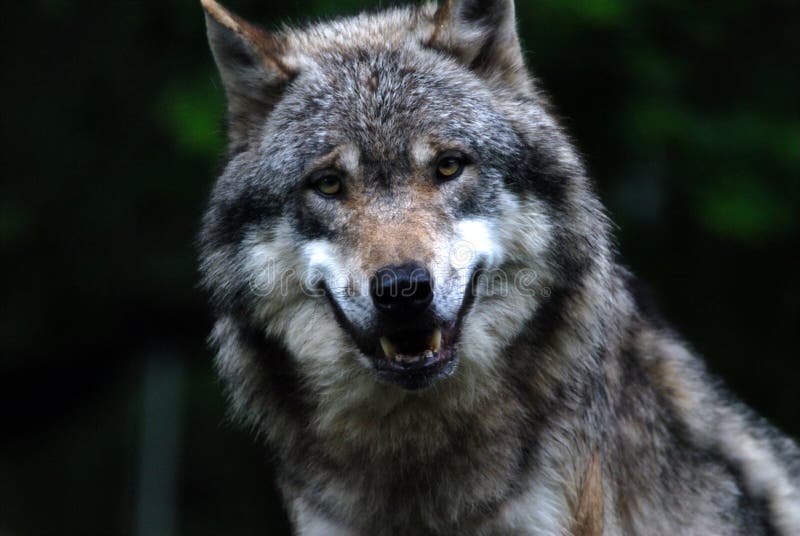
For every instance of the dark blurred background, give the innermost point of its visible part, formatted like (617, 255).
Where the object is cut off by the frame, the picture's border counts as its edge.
(112, 421)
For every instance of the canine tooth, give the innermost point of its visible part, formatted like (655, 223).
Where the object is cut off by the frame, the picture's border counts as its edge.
(436, 340)
(428, 354)
(388, 348)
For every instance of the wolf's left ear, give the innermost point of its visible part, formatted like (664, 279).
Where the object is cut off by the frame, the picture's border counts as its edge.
(483, 35)
(253, 65)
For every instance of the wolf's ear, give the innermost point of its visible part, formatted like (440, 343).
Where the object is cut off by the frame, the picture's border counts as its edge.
(253, 66)
(483, 35)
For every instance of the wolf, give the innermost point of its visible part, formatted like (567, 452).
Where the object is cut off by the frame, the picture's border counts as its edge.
(420, 310)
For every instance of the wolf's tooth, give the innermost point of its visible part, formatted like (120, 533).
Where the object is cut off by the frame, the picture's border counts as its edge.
(436, 340)
(388, 348)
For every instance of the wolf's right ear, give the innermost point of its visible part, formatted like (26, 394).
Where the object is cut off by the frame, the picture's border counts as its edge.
(482, 34)
(253, 65)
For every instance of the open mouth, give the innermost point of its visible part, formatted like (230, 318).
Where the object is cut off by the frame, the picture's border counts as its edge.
(415, 359)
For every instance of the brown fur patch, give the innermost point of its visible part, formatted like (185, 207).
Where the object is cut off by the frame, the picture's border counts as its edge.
(667, 368)
(387, 243)
(372, 83)
(589, 512)
(394, 234)
(440, 21)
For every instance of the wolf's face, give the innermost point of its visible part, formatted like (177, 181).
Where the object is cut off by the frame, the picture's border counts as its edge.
(393, 194)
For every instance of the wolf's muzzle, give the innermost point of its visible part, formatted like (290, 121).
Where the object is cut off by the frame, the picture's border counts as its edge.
(409, 341)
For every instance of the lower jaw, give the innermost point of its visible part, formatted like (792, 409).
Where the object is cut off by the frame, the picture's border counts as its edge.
(415, 378)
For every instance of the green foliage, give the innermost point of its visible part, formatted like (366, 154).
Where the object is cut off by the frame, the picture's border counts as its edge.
(191, 111)
(586, 12)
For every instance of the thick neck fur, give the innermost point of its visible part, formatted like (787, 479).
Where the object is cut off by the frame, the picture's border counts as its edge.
(408, 457)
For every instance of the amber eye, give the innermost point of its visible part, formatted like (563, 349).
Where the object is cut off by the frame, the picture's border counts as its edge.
(328, 185)
(449, 167)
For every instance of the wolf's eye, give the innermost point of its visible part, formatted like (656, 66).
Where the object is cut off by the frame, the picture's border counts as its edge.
(328, 185)
(449, 167)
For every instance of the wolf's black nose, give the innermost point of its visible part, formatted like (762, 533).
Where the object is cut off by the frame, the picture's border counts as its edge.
(402, 291)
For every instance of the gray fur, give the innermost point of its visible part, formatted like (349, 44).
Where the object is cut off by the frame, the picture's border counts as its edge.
(570, 410)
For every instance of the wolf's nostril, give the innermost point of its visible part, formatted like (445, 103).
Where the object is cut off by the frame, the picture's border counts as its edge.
(402, 291)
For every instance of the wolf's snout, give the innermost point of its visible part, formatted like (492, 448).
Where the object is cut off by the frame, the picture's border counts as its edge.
(402, 291)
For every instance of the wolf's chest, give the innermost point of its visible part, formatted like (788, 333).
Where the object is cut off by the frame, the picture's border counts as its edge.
(450, 487)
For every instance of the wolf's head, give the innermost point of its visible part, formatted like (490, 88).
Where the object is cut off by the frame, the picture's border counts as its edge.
(397, 198)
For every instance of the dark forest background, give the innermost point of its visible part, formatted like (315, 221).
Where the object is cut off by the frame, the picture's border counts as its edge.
(112, 421)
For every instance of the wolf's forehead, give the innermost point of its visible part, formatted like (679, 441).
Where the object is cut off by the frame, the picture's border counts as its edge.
(382, 101)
